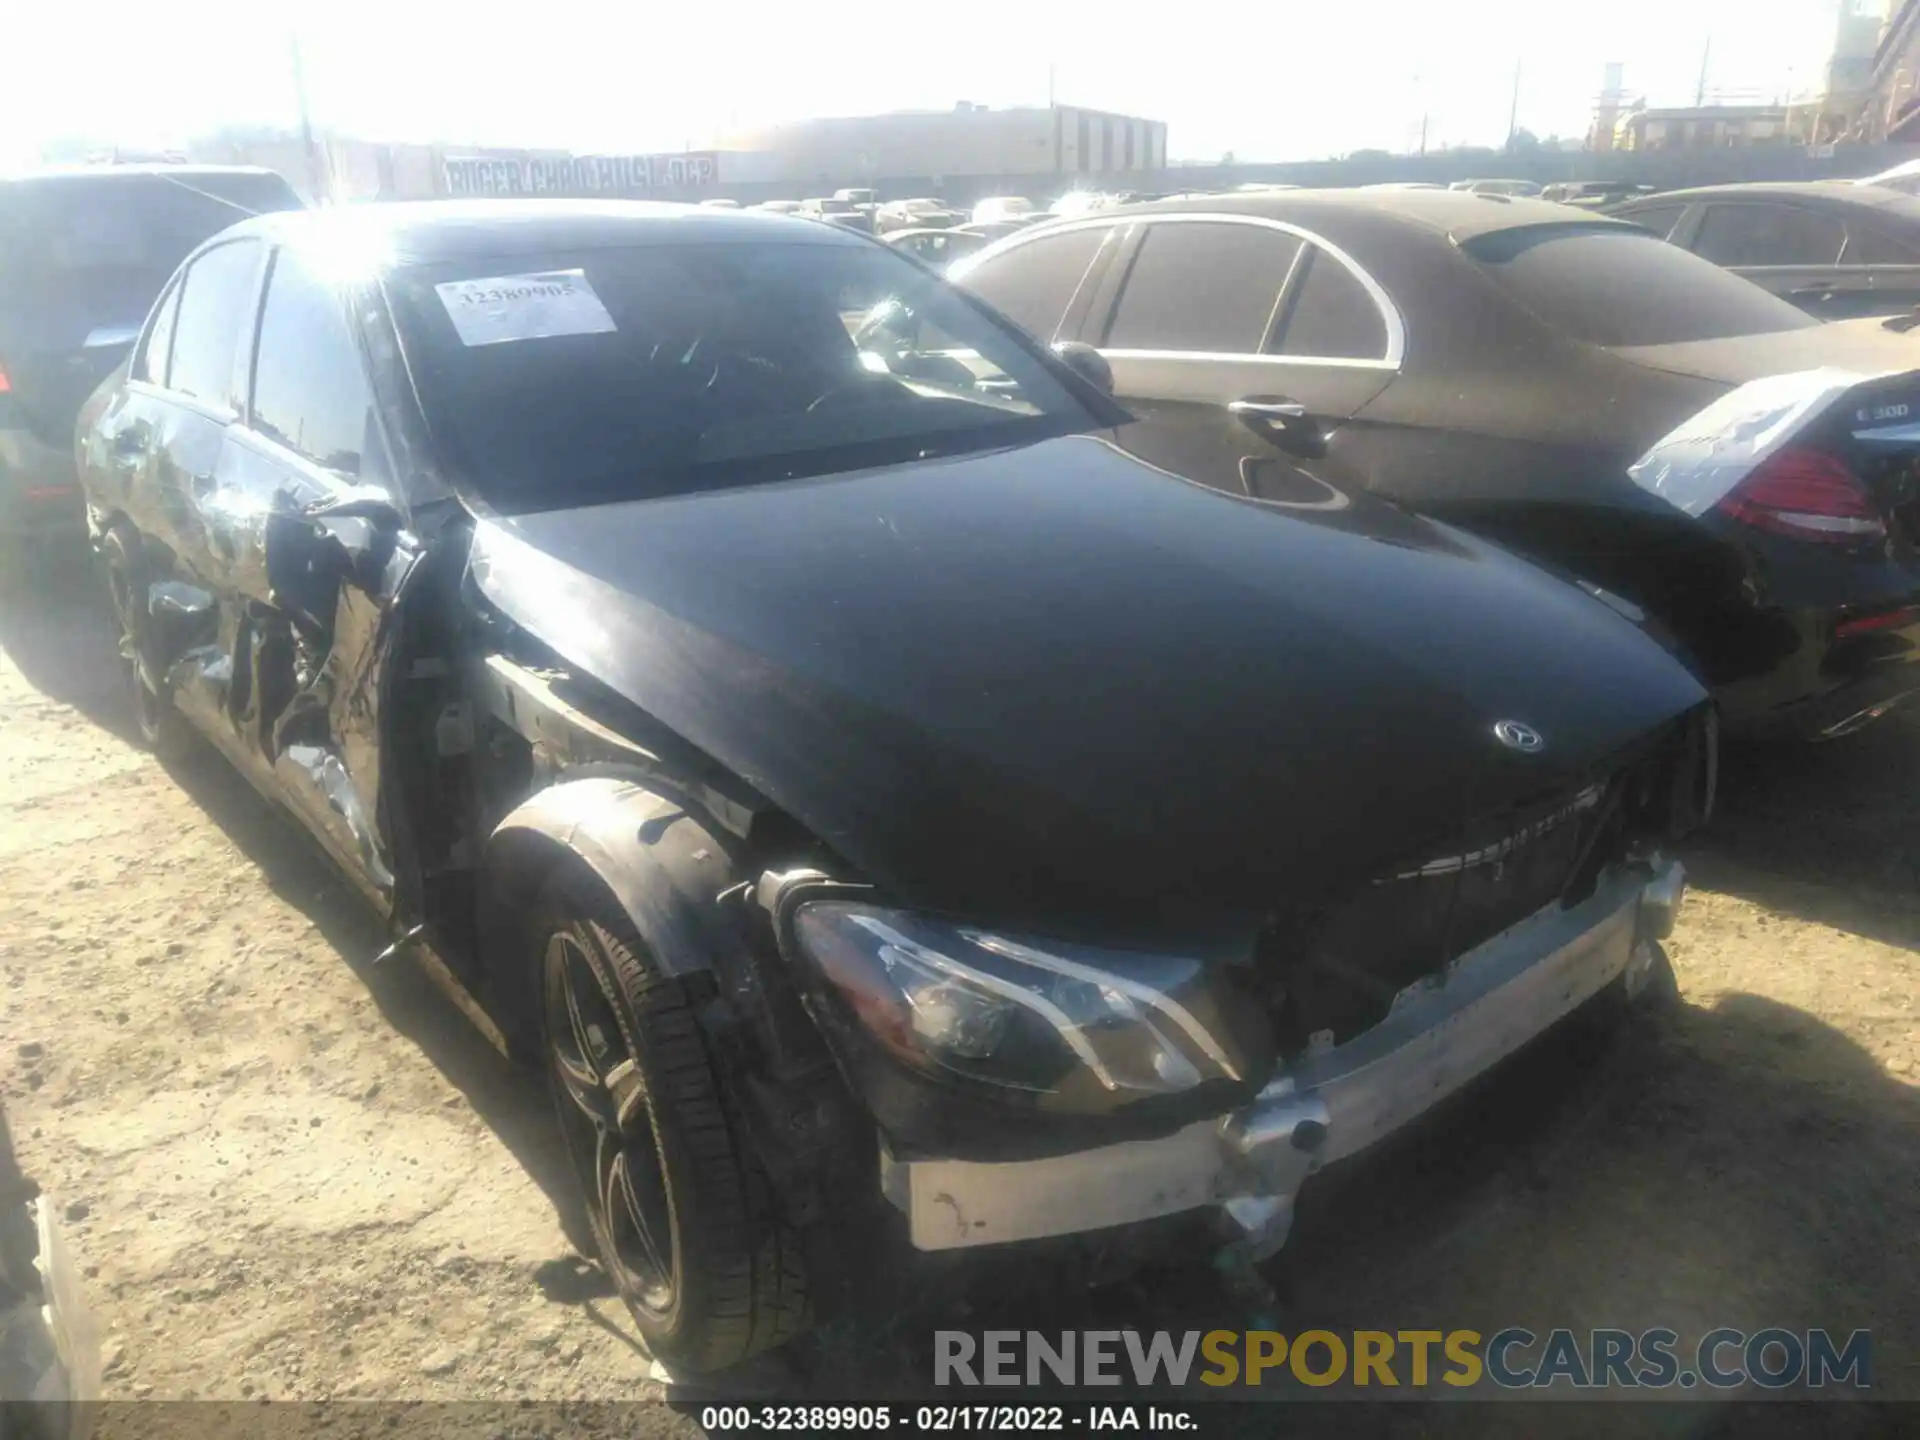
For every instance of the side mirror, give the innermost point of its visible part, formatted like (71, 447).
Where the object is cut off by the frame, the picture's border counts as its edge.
(363, 502)
(889, 323)
(1086, 362)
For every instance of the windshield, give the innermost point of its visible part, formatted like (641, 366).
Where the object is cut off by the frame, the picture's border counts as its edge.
(1610, 285)
(624, 373)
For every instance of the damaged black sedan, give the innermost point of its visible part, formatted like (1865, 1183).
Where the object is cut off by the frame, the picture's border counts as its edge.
(879, 802)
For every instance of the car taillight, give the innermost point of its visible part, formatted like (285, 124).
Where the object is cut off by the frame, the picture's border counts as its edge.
(5, 384)
(1809, 495)
(1885, 620)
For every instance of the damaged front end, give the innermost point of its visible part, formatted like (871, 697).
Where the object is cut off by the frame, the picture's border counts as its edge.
(1026, 1088)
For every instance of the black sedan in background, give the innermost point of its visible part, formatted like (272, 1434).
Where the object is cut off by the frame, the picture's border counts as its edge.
(1513, 366)
(1837, 250)
(869, 792)
(83, 253)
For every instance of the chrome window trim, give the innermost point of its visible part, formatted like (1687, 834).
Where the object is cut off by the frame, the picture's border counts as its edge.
(1389, 312)
(1324, 362)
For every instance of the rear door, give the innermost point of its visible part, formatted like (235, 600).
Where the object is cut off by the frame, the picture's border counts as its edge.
(1891, 257)
(119, 445)
(205, 393)
(1043, 283)
(1795, 251)
(1242, 344)
(1661, 220)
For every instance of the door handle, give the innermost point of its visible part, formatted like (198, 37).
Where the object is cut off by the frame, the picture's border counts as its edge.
(1280, 421)
(1284, 411)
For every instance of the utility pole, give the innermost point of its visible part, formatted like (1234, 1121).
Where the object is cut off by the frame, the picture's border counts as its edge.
(1513, 114)
(1700, 92)
(1050, 85)
(1423, 131)
(317, 177)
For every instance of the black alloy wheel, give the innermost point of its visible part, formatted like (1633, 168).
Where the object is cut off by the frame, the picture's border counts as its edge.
(606, 1117)
(682, 1212)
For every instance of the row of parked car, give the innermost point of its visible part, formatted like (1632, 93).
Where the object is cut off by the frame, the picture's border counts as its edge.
(1836, 249)
(1058, 756)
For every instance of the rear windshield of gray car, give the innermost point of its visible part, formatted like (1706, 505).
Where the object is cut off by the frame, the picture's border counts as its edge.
(59, 225)
(631, 372)
(1608, 285)
(83, 252)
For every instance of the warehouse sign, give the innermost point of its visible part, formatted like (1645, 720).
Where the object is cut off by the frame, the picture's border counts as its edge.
(580, 174)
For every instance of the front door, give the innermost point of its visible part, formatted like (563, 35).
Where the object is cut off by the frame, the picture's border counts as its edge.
(1794, 251)
(1243, 382)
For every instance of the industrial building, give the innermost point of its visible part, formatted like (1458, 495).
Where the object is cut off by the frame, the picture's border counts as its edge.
(962, 153)
(1890, 104)
(1702, 127)
(967, 147)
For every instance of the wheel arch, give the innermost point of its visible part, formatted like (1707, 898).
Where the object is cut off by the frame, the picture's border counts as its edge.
(661, 862)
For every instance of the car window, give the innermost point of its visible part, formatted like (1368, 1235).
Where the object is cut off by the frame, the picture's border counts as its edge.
(1866, 246)
(1657, 219)
(216, 310)
(1613, 284)
(111, 223)
(637, 371)
(310, 389)
(1752, 234)
(1332, 315)
(151, 363)
(1033, 283)
(1202, 287)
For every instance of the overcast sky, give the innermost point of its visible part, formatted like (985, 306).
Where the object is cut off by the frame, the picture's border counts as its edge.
(1265, 80)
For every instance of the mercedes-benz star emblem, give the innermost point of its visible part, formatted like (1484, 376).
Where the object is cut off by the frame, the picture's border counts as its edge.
(1516, 736)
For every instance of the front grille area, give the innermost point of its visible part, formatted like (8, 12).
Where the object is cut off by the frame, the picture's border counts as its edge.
(1339, 965)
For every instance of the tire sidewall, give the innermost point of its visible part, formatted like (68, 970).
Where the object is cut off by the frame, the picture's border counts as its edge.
(665, 1330)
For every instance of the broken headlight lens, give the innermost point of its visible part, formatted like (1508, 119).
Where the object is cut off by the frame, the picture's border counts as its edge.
(1083, 1029)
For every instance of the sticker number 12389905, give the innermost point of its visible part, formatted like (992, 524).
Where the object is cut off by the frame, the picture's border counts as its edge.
(501, 308)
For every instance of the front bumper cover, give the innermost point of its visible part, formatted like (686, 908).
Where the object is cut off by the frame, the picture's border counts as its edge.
(1328, 1104)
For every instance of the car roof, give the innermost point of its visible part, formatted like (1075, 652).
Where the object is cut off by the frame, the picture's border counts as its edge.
(1826, 192)
(427, 231)
(1460, 214)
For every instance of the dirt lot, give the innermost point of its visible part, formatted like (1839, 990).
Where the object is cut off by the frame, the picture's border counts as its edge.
(295, 1175)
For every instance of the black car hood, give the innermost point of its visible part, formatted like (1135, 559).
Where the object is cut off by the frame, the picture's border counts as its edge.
(1051, 686)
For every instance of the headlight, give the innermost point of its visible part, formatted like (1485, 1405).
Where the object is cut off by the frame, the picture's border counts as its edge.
(1076, 1028)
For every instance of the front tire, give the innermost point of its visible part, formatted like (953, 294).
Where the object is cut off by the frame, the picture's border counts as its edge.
(680, 1209)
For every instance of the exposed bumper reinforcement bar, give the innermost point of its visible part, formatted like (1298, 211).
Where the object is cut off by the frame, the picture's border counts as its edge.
(1441, 1033)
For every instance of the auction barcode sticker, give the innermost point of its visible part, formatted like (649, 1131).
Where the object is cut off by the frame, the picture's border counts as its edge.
(499, 308)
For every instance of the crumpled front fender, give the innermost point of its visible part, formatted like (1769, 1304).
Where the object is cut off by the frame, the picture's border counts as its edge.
(661, 863)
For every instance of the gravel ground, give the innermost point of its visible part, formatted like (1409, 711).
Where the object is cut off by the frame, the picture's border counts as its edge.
(294, 1175)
